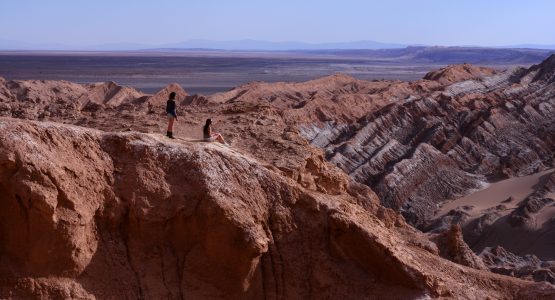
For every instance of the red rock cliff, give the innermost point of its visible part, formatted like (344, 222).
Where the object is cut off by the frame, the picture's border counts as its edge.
(87, 214)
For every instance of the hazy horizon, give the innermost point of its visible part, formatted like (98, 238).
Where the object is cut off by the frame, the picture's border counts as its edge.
(34, 24)
(245, 45)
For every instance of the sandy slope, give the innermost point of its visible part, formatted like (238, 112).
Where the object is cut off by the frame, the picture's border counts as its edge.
(495, 194)
(491, 210)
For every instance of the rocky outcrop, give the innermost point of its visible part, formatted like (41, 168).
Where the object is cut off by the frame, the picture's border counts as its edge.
(543, 72)
(337, 98)
(61, 100)
(108, 94)
(159, 99)
(417, 185)
(32, 96)
(452, 246)
(129, 215)
(528, 267)
(439, 144)
(47, 99)
(457, 73)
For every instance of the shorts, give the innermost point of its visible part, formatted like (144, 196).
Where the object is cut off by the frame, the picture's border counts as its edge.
(171, 116)
(209, 139)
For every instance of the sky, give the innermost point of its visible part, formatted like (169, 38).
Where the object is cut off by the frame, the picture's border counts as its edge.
(429, 22)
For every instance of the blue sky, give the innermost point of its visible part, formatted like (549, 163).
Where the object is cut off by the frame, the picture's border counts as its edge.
(432, 22)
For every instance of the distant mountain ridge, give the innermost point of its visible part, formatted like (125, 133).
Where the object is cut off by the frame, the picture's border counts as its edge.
(244, 45)
(249, 44)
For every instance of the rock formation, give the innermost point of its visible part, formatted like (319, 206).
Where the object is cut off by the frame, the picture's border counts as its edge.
(457, 73)
(293, 209)
(422, 151)
(529, 267)
(130, 215)
(387, 134)
(452, 246)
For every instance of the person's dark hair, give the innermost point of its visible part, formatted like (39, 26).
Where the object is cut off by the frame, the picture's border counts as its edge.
(206, 128)
(172, 95)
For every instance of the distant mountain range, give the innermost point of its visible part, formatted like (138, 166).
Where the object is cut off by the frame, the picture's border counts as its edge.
(279, 46)
(252, 45)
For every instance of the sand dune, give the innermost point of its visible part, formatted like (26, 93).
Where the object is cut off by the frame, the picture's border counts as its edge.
(492, 210)
(496, 193)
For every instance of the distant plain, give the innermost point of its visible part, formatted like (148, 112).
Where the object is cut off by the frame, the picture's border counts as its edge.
(210, 71)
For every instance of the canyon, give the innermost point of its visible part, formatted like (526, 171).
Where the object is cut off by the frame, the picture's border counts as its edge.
(334, 187)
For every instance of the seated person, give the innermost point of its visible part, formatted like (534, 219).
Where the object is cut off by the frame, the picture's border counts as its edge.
(209, 136)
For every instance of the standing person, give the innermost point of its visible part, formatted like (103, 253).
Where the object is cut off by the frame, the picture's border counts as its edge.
(172, 114)
(210, 136)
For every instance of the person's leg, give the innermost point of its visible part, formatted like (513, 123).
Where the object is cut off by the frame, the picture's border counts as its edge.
(170, 126)
(221, 139)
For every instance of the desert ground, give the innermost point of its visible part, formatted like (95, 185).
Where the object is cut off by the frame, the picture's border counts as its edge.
(210, 71)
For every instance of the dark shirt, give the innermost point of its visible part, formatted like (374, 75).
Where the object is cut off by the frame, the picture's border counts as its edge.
(207, 131)
(170, 108)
